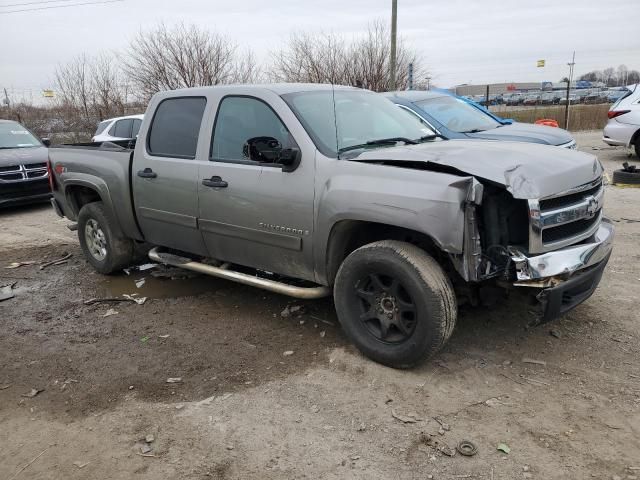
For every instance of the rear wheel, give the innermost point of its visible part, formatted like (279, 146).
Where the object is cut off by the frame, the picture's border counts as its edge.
(637, 146)
(395, 303)
(104, 246)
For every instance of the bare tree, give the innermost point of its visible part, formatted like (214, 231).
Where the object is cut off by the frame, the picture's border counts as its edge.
(90, 89)
(329, 58)
(184, 56)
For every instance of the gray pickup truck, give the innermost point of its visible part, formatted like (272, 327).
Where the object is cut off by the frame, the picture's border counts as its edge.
(309, 190)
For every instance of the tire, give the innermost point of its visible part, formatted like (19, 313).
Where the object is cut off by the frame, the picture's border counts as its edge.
(395, 303)
(103, 245)
(637, 146)
(629, 178)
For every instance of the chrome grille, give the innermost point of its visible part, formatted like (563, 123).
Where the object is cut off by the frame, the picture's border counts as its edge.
(18, 173)
(566, 218)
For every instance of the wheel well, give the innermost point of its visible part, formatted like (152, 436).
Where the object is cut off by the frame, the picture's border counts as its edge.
(634, 138)
(349, 235)
(80, 195)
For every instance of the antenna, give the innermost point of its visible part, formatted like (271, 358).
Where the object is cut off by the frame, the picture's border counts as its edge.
(335, 117)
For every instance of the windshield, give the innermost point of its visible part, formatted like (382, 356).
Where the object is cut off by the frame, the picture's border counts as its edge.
(14, 135)
(360, 117)
(102, 126)
(457, 115)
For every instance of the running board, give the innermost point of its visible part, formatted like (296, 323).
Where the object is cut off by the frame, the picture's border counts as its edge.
(308, 293)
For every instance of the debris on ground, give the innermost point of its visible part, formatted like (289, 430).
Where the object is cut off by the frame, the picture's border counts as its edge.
(534, 361)
(174, 379)
(432, 442)
(134, 298)
(443, 425)
(555, 333)
(125, 298)
(59, 261)
(466, 448)
(80, 464)
(19, 264)
(163, 336)
(291, 310)
(145, 448)
(33, 392)
(139, 268)
(144, 339)
(503, 447)
(110, 312)
(140, 283)
(410, 418)
(149, 438)
(6, 292)
(4, 387)
(287, 353)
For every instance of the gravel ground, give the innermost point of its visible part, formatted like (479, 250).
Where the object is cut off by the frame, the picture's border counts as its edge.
(243, 409)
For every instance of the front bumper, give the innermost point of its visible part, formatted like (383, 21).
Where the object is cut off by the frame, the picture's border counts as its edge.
(564, 278)
(530, 271)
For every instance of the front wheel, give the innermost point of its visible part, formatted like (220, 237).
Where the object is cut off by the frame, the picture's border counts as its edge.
(395, 303)
(106, 249)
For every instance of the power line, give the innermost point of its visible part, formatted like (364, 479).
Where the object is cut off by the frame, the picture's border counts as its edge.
(60, 6)
(34, 3)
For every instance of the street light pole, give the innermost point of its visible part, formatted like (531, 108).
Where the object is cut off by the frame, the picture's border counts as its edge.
(394, 27)
(566, 108)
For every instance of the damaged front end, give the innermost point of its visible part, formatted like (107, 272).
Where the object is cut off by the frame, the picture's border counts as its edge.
(557, 247)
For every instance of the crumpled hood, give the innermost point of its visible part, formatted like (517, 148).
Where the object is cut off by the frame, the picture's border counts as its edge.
(526, 132)
(526, 170)
(23, 156)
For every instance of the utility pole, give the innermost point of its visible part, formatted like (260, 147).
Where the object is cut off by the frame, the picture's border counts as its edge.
(566, 107)
(394, 33)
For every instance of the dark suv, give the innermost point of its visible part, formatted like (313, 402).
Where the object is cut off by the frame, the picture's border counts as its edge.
(23, 166)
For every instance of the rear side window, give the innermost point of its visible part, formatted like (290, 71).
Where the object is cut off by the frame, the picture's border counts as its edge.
(175, 127)
(121, 129)
(102, 126)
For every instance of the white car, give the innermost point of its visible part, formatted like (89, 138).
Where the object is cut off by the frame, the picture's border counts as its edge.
(623, 127)
(119, 128)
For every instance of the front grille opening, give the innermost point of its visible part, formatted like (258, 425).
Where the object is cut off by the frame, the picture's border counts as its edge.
(10, 168)
(36, 165)
(569, 230)
(11, 176)
(36, 174)
(559, 202)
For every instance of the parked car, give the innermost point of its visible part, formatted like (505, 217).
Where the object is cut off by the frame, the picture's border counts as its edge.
(454, 118)
(23, 166)
(614, 95)
(341, 189)
(623, 127)
(515, 99)
(119, 128)
(573, 99)
(531, 99)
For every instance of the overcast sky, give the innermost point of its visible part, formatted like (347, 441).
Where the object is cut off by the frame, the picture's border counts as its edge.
(461, 41)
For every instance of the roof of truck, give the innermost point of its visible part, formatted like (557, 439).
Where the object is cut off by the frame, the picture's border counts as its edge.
(278, 88)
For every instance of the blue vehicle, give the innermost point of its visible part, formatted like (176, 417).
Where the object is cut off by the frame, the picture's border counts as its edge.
(455, 117)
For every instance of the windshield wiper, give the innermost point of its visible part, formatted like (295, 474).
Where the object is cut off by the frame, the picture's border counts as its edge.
(380, 141)
(473, 130)
(430, 137)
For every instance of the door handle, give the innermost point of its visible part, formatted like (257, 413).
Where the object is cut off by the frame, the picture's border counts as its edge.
(147, 173)
(215, 181)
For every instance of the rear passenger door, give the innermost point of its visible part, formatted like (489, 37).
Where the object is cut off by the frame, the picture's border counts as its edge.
(165, 174)
(252, 213)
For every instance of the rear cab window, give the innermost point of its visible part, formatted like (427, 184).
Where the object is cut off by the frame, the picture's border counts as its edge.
(121, 129)
(102, 126)
(175, 127)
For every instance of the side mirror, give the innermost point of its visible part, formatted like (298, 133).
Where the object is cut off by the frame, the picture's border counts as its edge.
(269, 150)
(46, 141)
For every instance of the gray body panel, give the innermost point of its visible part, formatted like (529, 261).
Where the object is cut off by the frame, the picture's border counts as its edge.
(282, 221)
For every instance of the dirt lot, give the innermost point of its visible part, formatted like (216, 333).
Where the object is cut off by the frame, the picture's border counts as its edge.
(245, 410)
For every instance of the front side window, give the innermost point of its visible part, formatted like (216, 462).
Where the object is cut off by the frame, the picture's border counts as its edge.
(241, 119)
(14, 135)
(136, 127)
(356, 118)
(122, 129)
(175, 127)
(457, 115)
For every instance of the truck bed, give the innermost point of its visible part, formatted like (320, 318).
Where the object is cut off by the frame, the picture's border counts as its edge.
(102, 166)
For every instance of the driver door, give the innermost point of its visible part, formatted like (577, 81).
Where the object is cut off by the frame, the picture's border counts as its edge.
(255, 213)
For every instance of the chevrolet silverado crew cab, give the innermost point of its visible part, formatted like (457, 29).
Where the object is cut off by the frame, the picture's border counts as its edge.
(313, 190)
